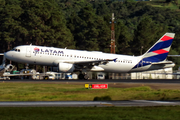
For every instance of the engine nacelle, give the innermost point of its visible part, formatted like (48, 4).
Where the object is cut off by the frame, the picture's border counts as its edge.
(64, 67)
(9, 67)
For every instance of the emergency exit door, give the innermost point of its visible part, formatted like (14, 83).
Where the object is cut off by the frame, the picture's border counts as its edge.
(28, 52)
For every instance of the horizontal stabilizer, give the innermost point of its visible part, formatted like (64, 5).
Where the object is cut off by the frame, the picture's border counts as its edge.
(173, 55)
(163, 62)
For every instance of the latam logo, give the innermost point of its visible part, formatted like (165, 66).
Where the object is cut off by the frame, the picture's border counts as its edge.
(48, 50)
(36, 49)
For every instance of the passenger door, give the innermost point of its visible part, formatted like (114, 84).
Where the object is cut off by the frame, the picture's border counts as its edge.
(28, 52)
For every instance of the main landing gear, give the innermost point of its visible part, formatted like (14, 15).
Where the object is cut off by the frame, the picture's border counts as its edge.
(82, 76)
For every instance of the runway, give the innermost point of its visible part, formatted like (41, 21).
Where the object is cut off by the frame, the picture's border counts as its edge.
(177, 81)
(131, 103)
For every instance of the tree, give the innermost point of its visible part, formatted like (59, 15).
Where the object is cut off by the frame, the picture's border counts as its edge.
(89, 30)
(147, 33)
(45, 23)
(10, 23)
(123, 38)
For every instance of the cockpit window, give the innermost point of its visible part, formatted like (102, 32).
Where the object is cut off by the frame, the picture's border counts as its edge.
(13, 49)
(17, 50)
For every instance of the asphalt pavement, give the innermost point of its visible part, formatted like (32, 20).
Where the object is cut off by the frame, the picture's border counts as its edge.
(131, 103)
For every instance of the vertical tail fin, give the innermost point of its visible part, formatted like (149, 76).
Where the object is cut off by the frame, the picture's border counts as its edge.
(159, 51)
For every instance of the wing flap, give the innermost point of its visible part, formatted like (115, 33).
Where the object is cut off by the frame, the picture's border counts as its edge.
(95, 62)
(89, 62)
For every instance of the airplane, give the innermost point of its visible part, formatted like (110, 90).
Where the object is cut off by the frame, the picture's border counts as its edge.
(4, 67)
(69, 60)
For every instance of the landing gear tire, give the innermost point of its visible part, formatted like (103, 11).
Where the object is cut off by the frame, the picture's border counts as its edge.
(83, 76)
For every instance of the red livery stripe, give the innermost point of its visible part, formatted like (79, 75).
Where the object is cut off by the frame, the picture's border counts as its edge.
(165, 38)
(161, 51)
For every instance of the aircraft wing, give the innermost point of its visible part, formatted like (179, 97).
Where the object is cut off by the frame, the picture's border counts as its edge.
(93, 62)
(27, 74)
(90, 64)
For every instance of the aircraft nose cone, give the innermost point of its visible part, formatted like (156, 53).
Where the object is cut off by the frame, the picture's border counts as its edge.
(7, 55)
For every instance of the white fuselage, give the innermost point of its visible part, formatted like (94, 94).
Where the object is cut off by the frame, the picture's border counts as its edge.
(52, 56)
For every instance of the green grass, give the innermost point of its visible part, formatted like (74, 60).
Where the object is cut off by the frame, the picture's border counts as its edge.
(90, 113)
(162, 3)
(57, 92)
(61, 92)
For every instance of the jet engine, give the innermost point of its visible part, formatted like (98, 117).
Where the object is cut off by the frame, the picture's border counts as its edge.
(9, 67)
(64, 67)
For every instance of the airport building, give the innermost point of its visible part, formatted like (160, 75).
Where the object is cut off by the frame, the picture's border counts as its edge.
(155, 74)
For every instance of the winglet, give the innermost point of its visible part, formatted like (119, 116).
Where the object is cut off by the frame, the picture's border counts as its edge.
(115, 60)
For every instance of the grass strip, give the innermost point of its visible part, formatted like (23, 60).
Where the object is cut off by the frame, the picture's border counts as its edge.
(62, 92)
(90, 113)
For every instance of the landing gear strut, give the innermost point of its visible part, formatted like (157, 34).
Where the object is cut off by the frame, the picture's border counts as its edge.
(83, 76)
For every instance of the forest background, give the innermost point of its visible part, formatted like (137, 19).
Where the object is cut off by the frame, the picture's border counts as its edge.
(86, 24)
